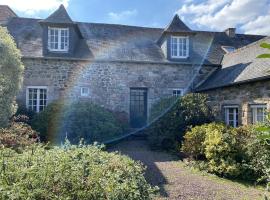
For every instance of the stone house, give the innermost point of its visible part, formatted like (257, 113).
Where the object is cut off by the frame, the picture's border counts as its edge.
(240, 89)
(128, 68)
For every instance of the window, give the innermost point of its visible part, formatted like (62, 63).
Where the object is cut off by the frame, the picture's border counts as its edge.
(258, 113)
(228, 49)
(84, 91)
(177, 92)
(58, 39)
(36, 98)
(231, 115)
(179, 47)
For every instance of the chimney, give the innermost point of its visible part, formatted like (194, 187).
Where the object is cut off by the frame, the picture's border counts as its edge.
(230, 32)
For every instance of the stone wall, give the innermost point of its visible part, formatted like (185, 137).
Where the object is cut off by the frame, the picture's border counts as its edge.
(242, 95)
(109, 83)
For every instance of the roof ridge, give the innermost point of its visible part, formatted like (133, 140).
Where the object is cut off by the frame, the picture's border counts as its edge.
(30, 18)
(125, 25)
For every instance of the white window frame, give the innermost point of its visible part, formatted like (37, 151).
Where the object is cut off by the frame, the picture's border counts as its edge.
(178, 38)
(176, 95)
(38, 95)
(58, 49)
(85, 94)
(235, 115)
(254, 110)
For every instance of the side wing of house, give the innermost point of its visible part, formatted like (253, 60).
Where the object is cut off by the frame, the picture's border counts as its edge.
(240, 90)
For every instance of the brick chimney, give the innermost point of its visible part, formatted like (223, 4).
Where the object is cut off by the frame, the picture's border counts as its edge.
(230, 32)
(5, 14)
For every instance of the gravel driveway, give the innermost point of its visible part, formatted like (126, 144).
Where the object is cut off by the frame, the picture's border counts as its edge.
(179, 182)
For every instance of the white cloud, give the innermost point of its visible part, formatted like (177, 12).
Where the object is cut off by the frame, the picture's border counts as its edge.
(251, 16)
(122, 17)
(32, 7)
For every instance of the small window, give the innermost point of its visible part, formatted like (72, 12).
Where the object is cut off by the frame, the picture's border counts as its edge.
(228, 49)
(231, 115)
(84, 91)
(258, 113)
(177, 92)
(179, 47)
(36, 98)
(58, 39)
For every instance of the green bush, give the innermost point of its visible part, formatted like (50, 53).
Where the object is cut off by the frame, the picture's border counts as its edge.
(193, 143)
(220, 151)
(160, 107)
(77, 120)
(71, 172)
(17, 136)
(259, 153)
(189, 110)
(229, 152)
(11, 75)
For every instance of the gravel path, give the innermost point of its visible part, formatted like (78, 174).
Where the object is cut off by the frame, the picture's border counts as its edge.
(178, 182)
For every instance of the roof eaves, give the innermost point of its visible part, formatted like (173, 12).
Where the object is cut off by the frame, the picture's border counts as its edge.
(234, 83)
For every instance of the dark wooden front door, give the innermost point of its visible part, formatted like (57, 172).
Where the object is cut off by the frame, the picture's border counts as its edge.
(138, 107)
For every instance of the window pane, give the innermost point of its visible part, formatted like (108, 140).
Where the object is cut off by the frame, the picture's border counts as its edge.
(258, 114)
(179, 47)
(37, 99)
(231, 116)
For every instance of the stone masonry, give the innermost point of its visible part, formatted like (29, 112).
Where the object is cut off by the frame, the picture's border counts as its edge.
(109, 82)
(242, 95)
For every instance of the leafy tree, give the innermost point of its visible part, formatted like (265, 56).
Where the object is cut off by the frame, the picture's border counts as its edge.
(11, 76)
(265, 129)
(265, 55)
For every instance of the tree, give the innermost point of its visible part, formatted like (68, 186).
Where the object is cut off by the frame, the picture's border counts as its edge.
(266, 46)
(265, 129)
(11, 76)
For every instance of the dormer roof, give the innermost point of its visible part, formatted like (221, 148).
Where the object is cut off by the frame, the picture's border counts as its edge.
(60, 16)
(177, 26)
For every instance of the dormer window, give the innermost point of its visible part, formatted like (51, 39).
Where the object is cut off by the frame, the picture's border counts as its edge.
(179, 47)
(228, 49)
(58, 39)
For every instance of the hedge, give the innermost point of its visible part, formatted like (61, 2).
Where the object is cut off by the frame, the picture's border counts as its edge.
(71, 172)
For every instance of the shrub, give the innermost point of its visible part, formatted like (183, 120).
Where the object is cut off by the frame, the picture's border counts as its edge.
(229, 152)
(77, 120)
(72, 172)
(258, 151)
(23, 111)
(220, 151)
(11, 75)
(159, 107)
(190, 110)
(18, 136)
(193, 143)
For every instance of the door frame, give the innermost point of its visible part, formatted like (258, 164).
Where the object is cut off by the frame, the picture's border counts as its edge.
(145, 103)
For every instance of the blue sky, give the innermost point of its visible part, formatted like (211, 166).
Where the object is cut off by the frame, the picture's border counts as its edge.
(249, 16)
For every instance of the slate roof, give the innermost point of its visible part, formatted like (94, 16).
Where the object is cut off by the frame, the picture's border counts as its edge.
(126, 43)
(5, 14)
(240, 66)
(60, 16)
(177, 26)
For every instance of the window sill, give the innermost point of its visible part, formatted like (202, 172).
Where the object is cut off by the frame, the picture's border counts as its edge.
(58, 51)
(175, 57)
